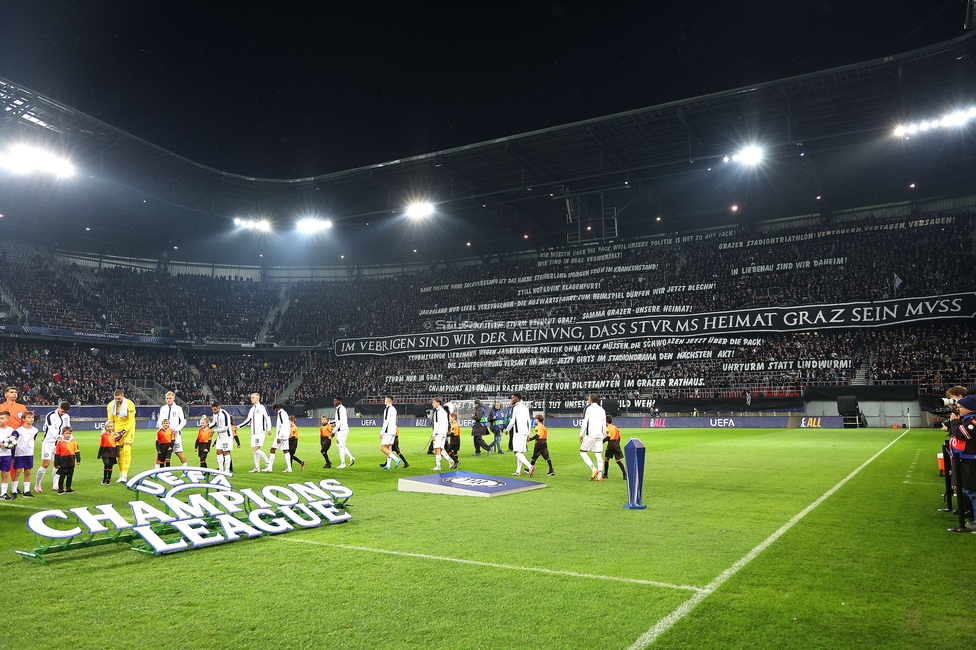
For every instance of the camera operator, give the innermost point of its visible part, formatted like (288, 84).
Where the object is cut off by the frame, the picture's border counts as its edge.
(962, 429)
(948, 410)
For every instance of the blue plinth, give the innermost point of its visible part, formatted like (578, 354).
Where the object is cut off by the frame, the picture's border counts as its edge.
(634, 457)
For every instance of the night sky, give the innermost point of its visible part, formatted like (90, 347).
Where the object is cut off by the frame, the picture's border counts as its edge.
(294, 89)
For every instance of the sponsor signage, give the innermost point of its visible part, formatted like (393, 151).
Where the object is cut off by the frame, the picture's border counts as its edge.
(192, 507)
(96, 336)
(882, 313)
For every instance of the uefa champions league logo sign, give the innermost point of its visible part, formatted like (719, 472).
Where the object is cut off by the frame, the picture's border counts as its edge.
(472, 481)
(197, 507)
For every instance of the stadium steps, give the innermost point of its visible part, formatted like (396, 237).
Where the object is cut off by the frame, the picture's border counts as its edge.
(864, 372)
(14, 307)
(279, 309)
(204, 387)
(295, 381)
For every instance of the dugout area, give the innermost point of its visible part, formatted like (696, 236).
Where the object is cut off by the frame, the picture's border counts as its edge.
(862, 568)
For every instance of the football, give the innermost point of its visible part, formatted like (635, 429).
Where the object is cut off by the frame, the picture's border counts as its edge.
(9, 443)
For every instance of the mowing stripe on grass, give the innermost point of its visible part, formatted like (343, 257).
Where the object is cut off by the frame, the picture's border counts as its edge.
(557, 572)
(686, 607)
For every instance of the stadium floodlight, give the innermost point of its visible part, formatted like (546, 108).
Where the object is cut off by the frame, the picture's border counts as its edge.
(311, 225)
(21, 159)
(420, 210)
(253, 224)
(955, 118)
(734, 208)
(751, 155)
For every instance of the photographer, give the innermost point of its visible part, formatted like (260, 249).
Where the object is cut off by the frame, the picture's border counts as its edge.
(948, 410)
(962, 429)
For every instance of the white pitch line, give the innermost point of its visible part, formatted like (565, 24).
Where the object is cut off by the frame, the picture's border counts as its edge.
(685, 608)
(17, 505)
(493, 565)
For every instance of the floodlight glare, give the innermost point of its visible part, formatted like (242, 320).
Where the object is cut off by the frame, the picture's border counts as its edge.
(21, 159)
(253, 224)
(420, 210)
(751, 155)
(311, 226)
(955, 118)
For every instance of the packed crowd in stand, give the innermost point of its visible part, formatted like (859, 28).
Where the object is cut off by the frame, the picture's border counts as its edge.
(728, 271)
(48, 372)
(45, 298)
(137, 301)
(120, 299)
(233, 377)
(725, 272)
(935, 358)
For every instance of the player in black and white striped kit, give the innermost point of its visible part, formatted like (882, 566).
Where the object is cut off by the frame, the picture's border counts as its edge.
(174, 413)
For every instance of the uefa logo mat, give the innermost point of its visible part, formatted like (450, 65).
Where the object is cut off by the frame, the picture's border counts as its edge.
(467, 484)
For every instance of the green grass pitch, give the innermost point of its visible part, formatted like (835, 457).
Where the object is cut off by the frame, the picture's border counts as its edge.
(871, 566)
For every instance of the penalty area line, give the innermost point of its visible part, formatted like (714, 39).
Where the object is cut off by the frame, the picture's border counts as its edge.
(493, 565)
(686, 607)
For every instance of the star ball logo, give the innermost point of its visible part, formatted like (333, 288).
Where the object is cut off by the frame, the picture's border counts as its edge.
(472, 481)
(212, 512)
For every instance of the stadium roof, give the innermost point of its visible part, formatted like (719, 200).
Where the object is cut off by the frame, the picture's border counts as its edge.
(828, 134)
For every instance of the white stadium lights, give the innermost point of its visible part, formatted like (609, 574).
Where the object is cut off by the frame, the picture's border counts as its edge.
(253, 224)
(310, 226)
(420, 210)
(956, 118)
(751, 155)
(21, 159)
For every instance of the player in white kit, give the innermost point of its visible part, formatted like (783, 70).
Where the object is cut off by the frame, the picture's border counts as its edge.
(260, 423)
(221, 425)
(342, 433)
(174, 413)
(592, 432)
(439, 423)
(520, 426)
(282, 432)
(388, 434)
(54, 424)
